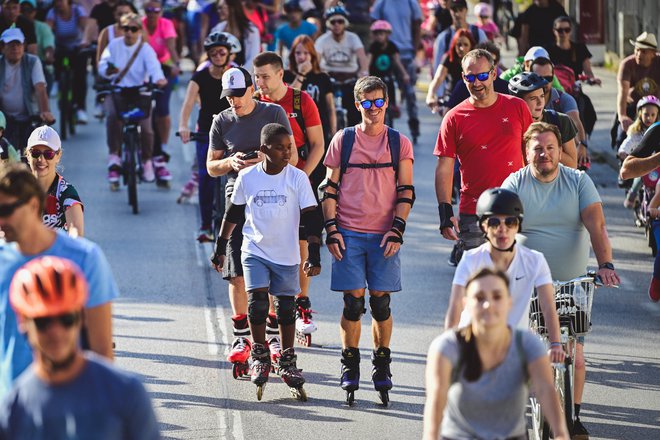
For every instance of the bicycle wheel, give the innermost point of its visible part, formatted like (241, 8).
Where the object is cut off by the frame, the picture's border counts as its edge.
(62, 104)
(537, 419)
(130, 168)
(567, 401)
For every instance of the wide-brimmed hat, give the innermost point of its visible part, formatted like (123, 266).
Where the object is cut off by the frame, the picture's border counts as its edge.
(646, 40)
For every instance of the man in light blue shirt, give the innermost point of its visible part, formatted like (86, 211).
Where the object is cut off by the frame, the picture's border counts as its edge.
(285, 34)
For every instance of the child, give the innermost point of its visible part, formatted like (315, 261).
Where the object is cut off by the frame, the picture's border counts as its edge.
(274, 197)
(647, 115)
(7, 151)
(383, 59)
(484, 14)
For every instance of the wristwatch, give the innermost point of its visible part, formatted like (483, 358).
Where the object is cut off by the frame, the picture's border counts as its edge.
(606, 265)
(584, 143)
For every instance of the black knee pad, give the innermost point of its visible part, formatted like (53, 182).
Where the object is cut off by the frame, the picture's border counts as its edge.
(257, 307)
(380, 307)
(285, 306)
(353, 307)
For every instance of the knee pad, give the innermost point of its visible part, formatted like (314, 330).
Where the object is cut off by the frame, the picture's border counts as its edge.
(380, 307)
(353, 307)
(257, 307)
(285, 306)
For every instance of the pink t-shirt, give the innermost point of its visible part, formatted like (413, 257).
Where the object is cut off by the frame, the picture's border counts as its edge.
(158, 40)
(367, 197)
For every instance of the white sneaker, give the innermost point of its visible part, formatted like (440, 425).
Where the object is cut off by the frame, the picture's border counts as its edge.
(99, 110)
(81, 116)
(305, 325)
(148, 174)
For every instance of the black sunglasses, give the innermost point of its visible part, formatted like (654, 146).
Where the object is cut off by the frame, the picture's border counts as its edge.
(9, 208)
(152, 10)
(66, 320)
(509, 222)
(337, 22)
(549, 78)
(563, 30)
(133, 29)
(471, 77)
(367, 103)
(47, 154)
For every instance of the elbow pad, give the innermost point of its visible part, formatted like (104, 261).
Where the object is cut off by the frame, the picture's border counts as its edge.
(235, 213)
(313, 222)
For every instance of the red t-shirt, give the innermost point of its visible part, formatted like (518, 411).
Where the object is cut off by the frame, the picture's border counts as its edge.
(487, 142)
(309, 111)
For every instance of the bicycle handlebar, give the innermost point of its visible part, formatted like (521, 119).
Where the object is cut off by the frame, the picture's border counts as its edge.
(195, 135)
(589, 277)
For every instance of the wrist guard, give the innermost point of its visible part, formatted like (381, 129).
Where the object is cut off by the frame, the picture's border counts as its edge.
(446, 212)
(314, 257)
(330, 239)
(220, 249)
(399, 224)
(397, 238)
(330, 223)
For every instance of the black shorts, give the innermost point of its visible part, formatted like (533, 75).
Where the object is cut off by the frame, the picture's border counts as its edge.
(233, 267)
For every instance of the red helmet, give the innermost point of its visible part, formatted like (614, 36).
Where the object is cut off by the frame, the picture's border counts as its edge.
(48, 286)
(380, 25)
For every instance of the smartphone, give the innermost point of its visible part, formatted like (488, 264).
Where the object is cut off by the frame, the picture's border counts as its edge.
(251, 155)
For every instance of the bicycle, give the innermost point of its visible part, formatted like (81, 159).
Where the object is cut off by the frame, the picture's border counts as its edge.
(65, 88)
(340, 111)
(573, 300)
(505, 19)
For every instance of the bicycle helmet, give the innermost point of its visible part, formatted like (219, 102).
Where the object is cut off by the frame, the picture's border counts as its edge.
(3, 121)
(525, 82)
(648, 100)
(335, 10)
(48, 286)
(224, 39)
(499, 201)
(292, 5)
(483, 10)
(381, 25)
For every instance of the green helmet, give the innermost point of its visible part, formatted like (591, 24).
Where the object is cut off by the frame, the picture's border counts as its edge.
(3, 121)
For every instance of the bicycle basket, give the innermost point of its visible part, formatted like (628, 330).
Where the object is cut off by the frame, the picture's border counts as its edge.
(573, 301)
(133, 103)
(536, 321)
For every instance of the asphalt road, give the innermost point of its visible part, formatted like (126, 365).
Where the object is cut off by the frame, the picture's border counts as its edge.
(172, 322)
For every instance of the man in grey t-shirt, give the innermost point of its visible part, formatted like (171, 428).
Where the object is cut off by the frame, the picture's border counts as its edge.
(236, 132)
(561, 207)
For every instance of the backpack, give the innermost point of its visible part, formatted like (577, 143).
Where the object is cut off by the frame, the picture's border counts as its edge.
(348, 139)
(474, 30)
(554, 117)
(566, 77)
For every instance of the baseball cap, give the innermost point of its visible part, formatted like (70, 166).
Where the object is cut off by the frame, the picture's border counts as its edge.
(235, 82)
(458, 4)
(12, 34)
(536, 52)
(45, 135)
(32, 3)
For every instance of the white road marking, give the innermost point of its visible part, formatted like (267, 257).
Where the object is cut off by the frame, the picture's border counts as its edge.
(210, 333)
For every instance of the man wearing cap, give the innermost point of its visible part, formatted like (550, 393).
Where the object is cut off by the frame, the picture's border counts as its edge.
(11, 17)
(22, 87)
(22, 203)
(639, 75)
(67, 393)
(523, 64)
(235, 132)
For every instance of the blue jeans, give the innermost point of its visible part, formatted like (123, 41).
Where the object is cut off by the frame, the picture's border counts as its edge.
(409, 89)
(205, 187)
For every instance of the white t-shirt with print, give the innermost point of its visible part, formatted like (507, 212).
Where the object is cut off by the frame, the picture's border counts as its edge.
(527, 270)
(339, 56)
(272, 211)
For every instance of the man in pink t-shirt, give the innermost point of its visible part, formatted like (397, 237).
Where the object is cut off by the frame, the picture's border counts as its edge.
(485, 133)
(365, 211)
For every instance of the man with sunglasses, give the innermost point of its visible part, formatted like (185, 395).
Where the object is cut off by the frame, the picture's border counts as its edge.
(570, 53)
(564, 213)
(484, 133)
(25, 238)
(64, 387)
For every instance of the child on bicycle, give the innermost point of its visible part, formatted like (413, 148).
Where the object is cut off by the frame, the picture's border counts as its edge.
(647, 114)
(484, 13)
(7, 151)
(274, 197)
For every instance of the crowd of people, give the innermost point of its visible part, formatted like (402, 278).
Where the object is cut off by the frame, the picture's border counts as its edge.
(277, 163)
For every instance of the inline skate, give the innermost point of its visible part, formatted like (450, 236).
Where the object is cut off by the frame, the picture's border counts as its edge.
(350, 373)
(260, 367)
(291, 375)
(304, 324)
(381, 375)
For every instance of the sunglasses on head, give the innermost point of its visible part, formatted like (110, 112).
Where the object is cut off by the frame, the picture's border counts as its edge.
(133, 29)
(66, 320)
(509, 222)
(47, 154)
(367, 103)
(152, 9)
(563, 30)
(9, 208)
(471, 77)
(338, 21)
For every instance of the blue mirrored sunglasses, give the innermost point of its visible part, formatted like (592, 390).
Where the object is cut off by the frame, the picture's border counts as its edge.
(367, 103)
(471, 77)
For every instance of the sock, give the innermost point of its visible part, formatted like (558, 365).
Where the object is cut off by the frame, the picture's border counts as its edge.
(241, 328)
(272, 326)
(577, 410)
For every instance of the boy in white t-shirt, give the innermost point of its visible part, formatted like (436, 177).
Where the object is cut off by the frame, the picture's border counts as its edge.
(274, 198)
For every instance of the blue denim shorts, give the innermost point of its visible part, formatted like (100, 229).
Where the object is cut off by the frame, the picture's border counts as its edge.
(363, 265)
(260, 273)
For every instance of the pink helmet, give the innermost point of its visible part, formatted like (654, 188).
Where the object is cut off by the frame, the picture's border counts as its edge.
(648, 100)
(380, 25)
(483, 10)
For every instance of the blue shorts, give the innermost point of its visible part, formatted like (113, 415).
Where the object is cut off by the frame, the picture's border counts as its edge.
(363, 265)
(260, 273)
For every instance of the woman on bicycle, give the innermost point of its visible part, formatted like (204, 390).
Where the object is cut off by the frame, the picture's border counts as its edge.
(233, 20)
(114, 30)
(63, 209)
(68, 22)
(477, 375)
(205, 87)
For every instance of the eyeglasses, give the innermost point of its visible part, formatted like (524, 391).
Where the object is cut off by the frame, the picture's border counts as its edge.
(147, 10)
(218, 53)
(563, 30)
(9, 208)
(47, 154)
(338, 21)
(66, 320)
(133, 29)
(367, 103)
(549, 78)
(471, 77)
(509, 222)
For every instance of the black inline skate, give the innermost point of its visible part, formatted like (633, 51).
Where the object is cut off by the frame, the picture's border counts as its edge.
(260, 367)
(381, 375)
(350, 373)
(291, 375)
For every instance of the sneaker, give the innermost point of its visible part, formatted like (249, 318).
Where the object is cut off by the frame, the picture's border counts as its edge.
(452, 257)
(114, 168)
(654, 289)
(161, 169)
(81, 116)
(148, 174)
(579, 431)
(99, 110)
(205, 236)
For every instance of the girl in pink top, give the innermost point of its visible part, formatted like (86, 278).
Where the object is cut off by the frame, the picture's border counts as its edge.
(484, 13)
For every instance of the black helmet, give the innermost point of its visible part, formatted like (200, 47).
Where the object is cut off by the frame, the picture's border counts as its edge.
(292, 5)
(499, 201)
(335, 10)
(526, 82)
(224, 39)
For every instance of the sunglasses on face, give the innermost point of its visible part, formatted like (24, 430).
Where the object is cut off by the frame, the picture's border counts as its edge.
(509, 222)
(66, 320)
(8, 209)
(471, 77)
(565, 30)
(147, 10)
(133, 29)
(47, 154)
(367, 103)
(548, 78)
(333, 22)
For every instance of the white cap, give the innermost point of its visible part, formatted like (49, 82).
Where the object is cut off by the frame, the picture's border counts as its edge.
(536, 52)
(12, 34)
(45, 135)
(235, 82)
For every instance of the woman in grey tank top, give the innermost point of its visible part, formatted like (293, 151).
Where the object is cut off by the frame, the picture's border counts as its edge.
(476, 377)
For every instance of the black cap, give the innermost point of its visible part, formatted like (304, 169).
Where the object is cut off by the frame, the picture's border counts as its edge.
(457, 4)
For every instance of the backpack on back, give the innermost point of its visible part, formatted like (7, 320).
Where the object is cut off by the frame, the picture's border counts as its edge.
(566, 77)
(347, 141)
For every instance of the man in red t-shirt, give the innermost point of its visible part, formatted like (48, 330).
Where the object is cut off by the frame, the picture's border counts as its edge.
(268, 75)
(485, 132)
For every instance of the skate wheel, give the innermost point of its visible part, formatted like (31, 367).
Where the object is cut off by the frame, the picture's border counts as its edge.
(308, 340)
(235, 371)
(384, 397)
(299, 394)
(260, 391)
(350, 397)
(114, 187)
